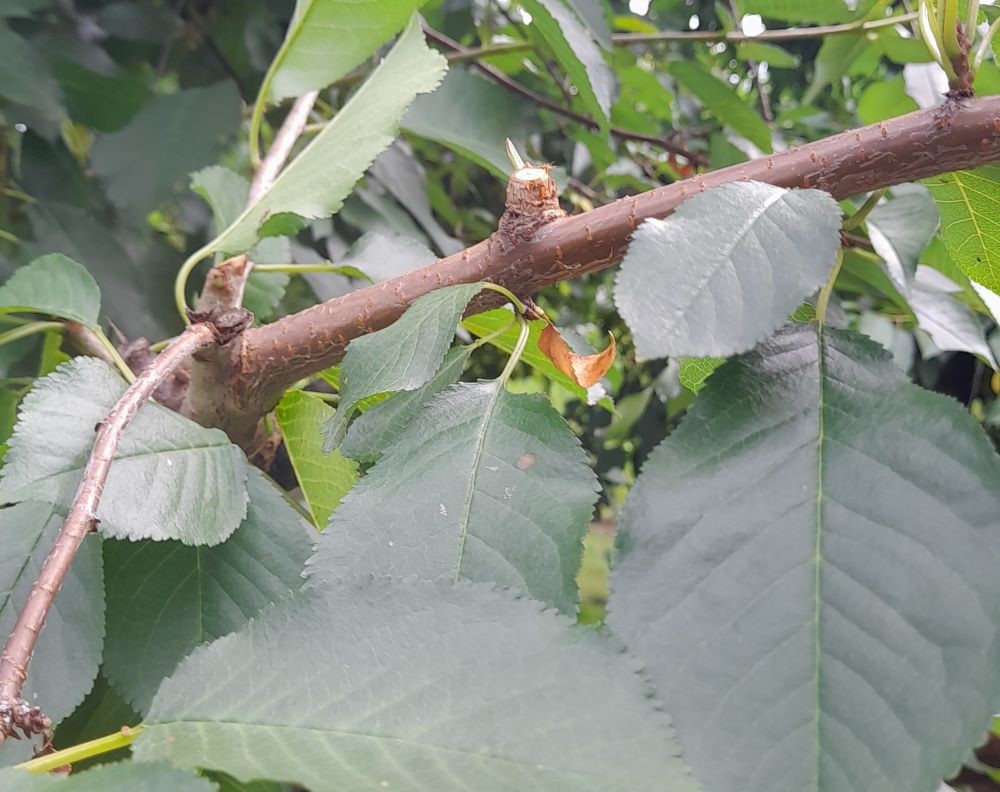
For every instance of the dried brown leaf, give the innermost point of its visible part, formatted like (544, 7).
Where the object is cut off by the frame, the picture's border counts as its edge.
(586, 370)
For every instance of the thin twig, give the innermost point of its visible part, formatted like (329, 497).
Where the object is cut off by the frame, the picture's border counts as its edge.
(515, 87)
(81, 520)
(277, 155)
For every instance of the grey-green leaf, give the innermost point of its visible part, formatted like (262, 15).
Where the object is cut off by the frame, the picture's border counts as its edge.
(483, 485)
(411, 687)
(726, 268)
(69, 649)
(117, 777)
(54, 285)
(25, 76)
(578, 53)
(328, 38)
(171, 478)
(166, 598)
(376, 429)
(784, 573)
(316, 182)
(402, 356)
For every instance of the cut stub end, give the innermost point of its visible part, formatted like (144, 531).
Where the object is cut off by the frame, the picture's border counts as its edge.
(532, 201)
(19, 719)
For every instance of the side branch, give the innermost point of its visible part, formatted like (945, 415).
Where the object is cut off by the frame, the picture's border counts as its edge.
(15, 713)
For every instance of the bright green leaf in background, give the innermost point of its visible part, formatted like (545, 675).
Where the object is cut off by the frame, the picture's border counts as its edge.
(695, 371)
(970, 221)
(785, 576)
(726, 268)
(166, 598)
(820, 12)
(323, 478)
(722, 101)
(578, 54)
(403, 356)
(483, 485)
(54, 285)
(171, 478)
(74, 629)
(297, 696)
(316, 182)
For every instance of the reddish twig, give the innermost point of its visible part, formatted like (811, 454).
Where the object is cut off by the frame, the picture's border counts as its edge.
(15, 713)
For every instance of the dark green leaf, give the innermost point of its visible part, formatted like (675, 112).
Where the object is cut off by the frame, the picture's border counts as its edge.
(786, 578)
(145, 164)
(483, 485)
(118, 777)
(171, 479)
(166, 598)
(900, 229)
(25, 77)
(102, 712)
(726, 268)
(69, 648)
(471, 690)
(54, 285)
(324, 478)
(105, 103)
(721, 101)
(403, 356)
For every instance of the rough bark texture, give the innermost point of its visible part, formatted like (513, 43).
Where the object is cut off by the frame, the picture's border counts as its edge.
(246, 382)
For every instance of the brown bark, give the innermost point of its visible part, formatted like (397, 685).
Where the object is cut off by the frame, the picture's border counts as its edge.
(247, 382)
(81, 520)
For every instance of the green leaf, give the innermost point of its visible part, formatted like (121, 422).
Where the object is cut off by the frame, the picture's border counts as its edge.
(101, 713)
(25, 77)
(885, 99)
(166, 598)
(951, 324)
(694, 371)
(836, 57)
(483, 485)
(490, 322)
(969, 202)
(900, 229)
(402, 356)
(378, 428)
(726, 268)
(104, 103)
(578, 54)
(324, 478)
(821, 12)
(117, 777)
(471, 690)
(171, 478)
(722, 101)
(383, 256)
(69, 648)
(772, 55)
(328, 38)
(145, 164)
(316, 182)
(54, 285)
(785, 576)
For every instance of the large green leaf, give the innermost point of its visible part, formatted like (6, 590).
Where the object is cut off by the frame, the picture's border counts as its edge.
(721, 101)
(970, 221)
(383, 685)
(900, 229)
(146, 164)
(166, 598)
(324, 478)
(118, 777)
(25, 77)
(473, 116)
(808, 570)
(69, 648)
(316, 182)
(578, 53)
(101, 713)
(171, 479)
(483, 485)
(403, 356)
(54, 285)
(328, 38)
(726, 268)
(380, 426)
(817, 11)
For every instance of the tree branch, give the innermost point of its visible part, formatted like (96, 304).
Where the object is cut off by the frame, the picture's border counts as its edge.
(250, 378)
(15, 713)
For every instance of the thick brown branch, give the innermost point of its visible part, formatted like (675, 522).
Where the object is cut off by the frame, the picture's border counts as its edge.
(80, 520)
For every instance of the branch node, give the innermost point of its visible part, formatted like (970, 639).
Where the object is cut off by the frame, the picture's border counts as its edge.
(532, 202)
(16, 715)
(226, 323)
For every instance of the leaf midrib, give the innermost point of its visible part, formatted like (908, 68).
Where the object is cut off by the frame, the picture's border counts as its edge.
(818, 552)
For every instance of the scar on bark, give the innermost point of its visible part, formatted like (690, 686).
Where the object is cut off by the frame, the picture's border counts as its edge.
(532, 202)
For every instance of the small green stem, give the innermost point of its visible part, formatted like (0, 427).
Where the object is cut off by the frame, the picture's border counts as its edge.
(112, 350)
(972, 20)
(824, 296)
(495, 334)
(20, 195)
(861, 215)
(77, 753)
(984, 45)
(519, 306)
(515, 356)
(9, 237)
(28, 329)
(180, 284)
(300, 269)
(949, 28)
